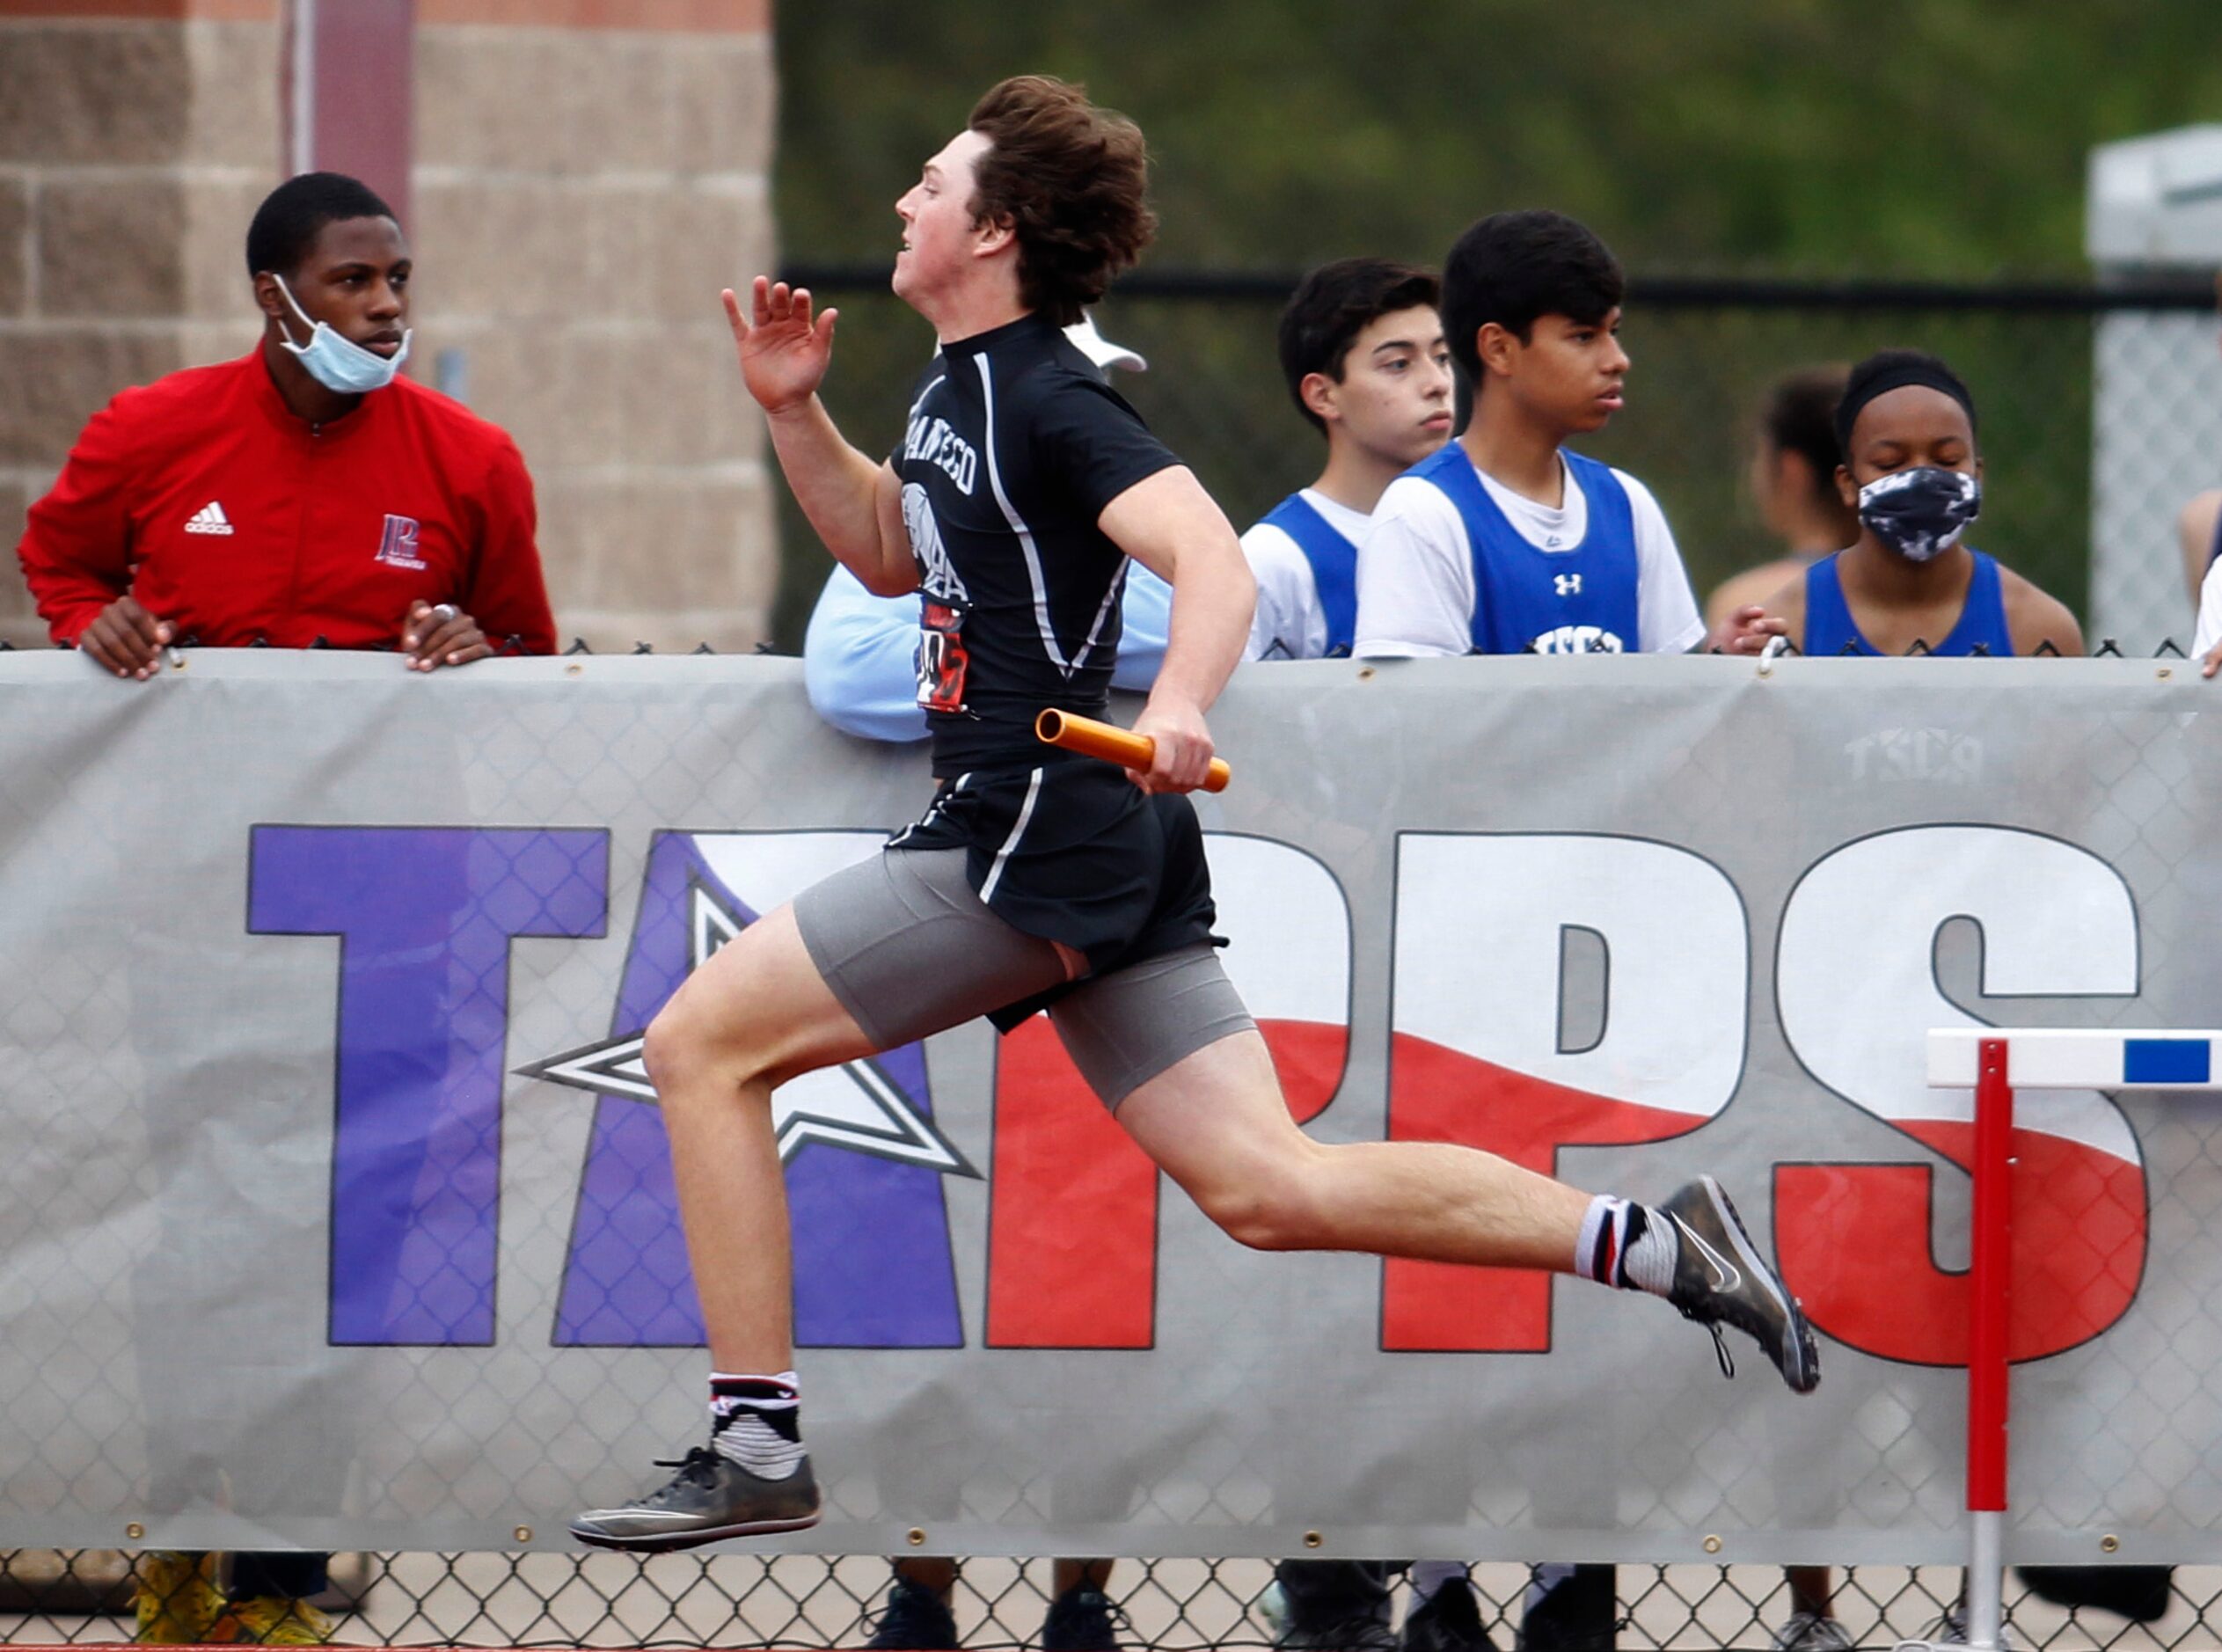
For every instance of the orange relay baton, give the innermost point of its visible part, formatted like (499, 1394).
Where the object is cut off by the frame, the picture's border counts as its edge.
(1113, 744)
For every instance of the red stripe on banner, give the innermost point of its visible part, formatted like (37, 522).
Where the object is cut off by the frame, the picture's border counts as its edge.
(1072, 1214)
(1439, 1094)
(1855, 1243)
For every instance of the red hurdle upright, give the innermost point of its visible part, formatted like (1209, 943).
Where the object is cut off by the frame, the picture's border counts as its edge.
(1992, 1062)
(1990, 1268)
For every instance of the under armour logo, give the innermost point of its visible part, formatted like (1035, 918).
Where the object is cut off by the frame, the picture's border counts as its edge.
(1568, 584)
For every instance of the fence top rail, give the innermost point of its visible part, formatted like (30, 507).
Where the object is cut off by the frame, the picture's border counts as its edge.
(1946, 677)
(1667, 292)
(2077, 1058)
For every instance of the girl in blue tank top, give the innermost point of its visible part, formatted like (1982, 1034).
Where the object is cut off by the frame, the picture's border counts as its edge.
(1909, 584)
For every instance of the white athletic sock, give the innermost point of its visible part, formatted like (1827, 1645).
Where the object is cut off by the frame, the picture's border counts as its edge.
(1430, 1575)
(756, 1422)
(1626, 1245)
(1648, 1262)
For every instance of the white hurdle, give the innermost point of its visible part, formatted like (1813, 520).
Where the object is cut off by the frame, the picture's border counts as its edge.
(1994, 1063)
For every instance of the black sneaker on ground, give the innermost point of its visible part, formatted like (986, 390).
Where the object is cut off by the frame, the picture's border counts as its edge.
(1447, 1621)
(2143, 1594)
(710, 1498)
(1332, 1605)
(1079, 1620)
(915, 1620)
(1721, 1279)
(1368, 1633)
(1580, 1612)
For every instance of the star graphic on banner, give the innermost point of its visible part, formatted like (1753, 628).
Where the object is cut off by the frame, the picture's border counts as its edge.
(854, 1106)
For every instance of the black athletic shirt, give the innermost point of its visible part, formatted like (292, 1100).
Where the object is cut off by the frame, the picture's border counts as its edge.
(1013, 446)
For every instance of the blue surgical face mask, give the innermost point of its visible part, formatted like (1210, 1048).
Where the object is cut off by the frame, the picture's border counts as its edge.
(338, 364)
(1921, 513)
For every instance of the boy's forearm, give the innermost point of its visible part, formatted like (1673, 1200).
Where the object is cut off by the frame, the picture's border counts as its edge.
(1213, 600)
(837, 486)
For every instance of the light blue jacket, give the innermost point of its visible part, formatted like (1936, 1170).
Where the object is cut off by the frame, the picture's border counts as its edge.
(859, 654)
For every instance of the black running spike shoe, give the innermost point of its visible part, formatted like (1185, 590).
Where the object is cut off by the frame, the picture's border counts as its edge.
(710, 1499)
(1719, 1278)
(915, 1620)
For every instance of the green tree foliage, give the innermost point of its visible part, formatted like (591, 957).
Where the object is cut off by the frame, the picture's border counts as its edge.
(1943, 138)
(1812, 138)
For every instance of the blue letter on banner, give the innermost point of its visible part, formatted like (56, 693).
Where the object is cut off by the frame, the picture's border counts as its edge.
(425, 916)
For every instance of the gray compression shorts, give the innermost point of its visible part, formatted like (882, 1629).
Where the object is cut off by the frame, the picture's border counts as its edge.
(910, 949)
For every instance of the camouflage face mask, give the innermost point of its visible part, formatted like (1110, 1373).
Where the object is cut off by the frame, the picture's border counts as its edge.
(1921, 513)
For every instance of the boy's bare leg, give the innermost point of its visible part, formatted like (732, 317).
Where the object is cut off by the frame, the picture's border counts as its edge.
(1214, 1121)
(752, 1017)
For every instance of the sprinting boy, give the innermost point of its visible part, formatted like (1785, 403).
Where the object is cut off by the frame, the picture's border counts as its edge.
(1021, 486)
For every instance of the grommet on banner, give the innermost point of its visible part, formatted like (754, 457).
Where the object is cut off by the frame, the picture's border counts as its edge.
(523, 1534)
(134, 1531)
(574, 670)
(914, 1537)
(1712, 1543)
(1313, 1539)
(2109, 1544)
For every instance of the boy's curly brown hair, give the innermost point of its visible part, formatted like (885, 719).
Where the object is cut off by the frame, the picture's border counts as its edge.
(1072, 179)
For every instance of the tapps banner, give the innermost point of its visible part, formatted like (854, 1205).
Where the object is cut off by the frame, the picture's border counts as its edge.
(337, 1210)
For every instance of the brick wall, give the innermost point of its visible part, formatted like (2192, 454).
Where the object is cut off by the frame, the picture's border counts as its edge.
(588, 173)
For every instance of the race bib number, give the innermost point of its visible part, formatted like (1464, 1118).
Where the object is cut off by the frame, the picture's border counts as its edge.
(942, 659)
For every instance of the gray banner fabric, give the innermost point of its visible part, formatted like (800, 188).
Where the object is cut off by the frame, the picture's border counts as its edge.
(339, 1214)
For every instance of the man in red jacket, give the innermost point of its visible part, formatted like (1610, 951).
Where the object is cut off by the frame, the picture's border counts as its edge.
(300, 494)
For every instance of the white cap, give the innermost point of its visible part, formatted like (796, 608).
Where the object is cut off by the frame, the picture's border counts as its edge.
(1100, 350)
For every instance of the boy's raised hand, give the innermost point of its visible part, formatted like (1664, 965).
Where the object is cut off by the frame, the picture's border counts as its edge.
(785, 351)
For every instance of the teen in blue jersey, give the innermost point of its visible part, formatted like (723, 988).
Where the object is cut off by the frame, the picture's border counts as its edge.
(1362, 348)
(1913, 473)
(1504, 542)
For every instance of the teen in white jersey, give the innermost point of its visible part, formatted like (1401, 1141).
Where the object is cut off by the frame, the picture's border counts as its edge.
(1505, 543)
(1362, 348)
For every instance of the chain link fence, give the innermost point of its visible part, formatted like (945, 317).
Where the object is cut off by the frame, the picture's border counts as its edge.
(100, 1597)
(2156, 435)
(1706, 354)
